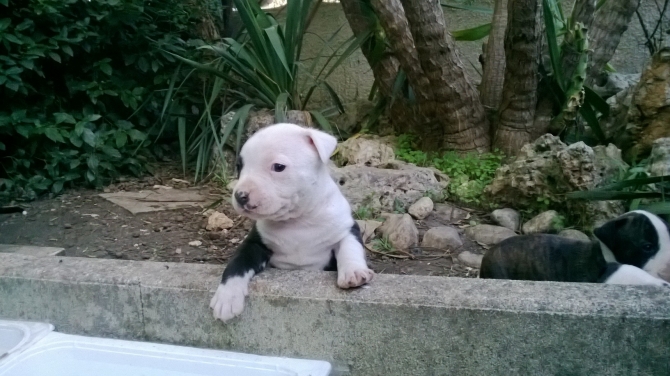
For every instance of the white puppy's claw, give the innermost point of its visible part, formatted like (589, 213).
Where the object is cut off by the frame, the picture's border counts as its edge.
(354, 278)
(228, 301)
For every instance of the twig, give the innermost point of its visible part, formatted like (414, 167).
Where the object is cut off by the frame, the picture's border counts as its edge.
(386, 254)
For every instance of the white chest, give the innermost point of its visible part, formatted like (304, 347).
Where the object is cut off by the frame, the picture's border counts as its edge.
(301, 247)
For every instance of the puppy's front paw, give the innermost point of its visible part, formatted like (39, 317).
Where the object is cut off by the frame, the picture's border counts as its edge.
(348, 278)
(228, 301)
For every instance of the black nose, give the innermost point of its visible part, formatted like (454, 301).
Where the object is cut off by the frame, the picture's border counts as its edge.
(242, 198)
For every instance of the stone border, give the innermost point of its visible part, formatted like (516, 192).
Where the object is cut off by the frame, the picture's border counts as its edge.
(399, 325)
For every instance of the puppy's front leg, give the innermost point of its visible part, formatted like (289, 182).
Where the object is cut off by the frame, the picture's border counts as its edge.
(352, 269)
(251, 258)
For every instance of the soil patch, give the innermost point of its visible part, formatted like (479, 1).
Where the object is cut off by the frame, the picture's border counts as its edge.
(87, 225)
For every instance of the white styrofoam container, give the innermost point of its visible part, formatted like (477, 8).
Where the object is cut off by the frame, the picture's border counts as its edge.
(57, 354)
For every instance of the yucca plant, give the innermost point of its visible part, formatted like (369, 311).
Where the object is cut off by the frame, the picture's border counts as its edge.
(261, 69)
(637, 189)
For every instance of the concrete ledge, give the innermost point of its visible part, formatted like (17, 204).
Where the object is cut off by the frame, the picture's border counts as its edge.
(400, 325)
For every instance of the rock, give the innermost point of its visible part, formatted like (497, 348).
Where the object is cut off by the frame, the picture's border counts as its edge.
(574, 234)
(365, 150)
(470, 259)
(506, 217)
(489, 234)
(400, 230)
(445, 214)
(659, 160)
(614, 83)
(649, 113)
(368, 229)
(67, 226)
(421, 208)
(547, 169)
(442, 238)
(379, 188)
(546, 222)
(218, 221)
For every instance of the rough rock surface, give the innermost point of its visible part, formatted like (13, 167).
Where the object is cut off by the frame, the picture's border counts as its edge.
(380, 188)
(615, 83)
(649, 114)
(506, 217)
(574, 234)
(365, 150)
(421, 208)
(442, 238)
(547, 169)
(659, 160)
(471, 259)
(488, 234)
(400, 230)
(218, 221)
(547, 222)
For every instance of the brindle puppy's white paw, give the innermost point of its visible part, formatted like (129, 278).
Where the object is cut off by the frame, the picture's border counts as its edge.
(354, 277)
(228, 301)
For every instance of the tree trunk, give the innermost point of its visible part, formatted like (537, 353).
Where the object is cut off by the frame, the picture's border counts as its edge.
(456, 117)
(611, 21)
(519, 97)
(493, 76)
(386, 69)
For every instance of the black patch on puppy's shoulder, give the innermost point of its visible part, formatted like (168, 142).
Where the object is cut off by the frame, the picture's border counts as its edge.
(252, 254)
(356, 232)
(332, 264)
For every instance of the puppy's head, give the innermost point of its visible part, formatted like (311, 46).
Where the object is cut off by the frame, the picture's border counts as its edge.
(638, 238)
(281, 169)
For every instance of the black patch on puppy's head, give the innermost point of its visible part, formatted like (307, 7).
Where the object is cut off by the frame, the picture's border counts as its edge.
(632, 238)
(239, 164)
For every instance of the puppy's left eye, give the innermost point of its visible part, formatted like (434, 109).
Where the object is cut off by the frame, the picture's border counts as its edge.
(647, 247)
(278, 167)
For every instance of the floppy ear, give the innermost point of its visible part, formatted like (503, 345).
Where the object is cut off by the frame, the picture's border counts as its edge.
(324, 143)
(607, 232)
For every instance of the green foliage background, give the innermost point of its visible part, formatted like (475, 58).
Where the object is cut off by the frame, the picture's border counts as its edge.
(81, 87)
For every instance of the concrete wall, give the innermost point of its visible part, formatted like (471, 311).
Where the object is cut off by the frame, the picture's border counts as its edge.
(399, 325)
(354, 79)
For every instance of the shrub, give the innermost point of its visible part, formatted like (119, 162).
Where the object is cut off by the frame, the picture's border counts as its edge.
(78, 82)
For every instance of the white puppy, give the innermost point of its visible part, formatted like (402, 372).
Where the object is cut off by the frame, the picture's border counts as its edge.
(302, 219)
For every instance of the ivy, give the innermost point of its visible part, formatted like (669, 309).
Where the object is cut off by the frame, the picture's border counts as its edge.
(81, 85)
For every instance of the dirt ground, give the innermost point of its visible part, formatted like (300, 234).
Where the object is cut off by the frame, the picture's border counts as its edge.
(87, 225)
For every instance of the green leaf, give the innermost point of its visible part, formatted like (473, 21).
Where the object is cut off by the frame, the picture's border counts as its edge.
(322, 121)
(2, 146)
(13, 39)
(106, 69)
(54, 135)
(92, 161)
(62, 117)
(4, 23)
(90, 176)
(58, 186)
(281, 107)
(28, 64)
(552, 42)
(76, 140)
(472, 34)
(12, 85)
(92, 117)
(662, 208)
(136, 135)
(74, 164)
(334, 97)
(54, 56)
(635, 182)
(13, 71)
(68, 50)
(111, 152)
(596, 101)
(598, 195)
(121, 138)
(447, 4)
(590, 116)
(89, 137)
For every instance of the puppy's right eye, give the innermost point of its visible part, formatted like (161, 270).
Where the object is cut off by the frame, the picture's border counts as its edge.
(278, 167)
